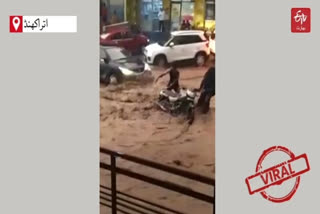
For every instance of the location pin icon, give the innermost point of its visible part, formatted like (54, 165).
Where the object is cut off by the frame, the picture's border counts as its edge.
(16, 23)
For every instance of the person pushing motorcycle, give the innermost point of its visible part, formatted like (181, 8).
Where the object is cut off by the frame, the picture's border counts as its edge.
(207, 90)
(174, 74)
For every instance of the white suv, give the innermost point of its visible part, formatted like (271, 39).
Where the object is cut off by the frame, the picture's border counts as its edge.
(182, 45)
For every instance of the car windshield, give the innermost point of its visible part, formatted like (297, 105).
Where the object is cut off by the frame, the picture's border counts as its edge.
(117, 53)
(162, 43)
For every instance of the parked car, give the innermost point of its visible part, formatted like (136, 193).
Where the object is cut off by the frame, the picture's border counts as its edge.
(117, 65)
(133, 42)
(182, 45)
(212, 42)
(212, 45)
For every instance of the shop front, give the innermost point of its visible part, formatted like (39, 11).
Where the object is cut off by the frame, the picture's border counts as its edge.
(199, 13)
(210, 15)
(181, 11)
(149, 10)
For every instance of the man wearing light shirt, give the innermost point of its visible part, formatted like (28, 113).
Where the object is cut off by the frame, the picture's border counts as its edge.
(161, 16)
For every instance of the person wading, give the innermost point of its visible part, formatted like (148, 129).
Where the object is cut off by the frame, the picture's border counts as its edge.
(207, 90)
(174, 75)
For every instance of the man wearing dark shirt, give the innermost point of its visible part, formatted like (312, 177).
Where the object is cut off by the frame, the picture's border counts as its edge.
(174, 75)
(207, 89)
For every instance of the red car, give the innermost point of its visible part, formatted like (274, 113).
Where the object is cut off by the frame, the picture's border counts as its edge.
(126, 39)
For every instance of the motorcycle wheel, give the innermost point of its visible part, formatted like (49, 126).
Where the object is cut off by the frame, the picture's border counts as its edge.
(114, 77)
(174, 113)
(190, 115)
(162, 104)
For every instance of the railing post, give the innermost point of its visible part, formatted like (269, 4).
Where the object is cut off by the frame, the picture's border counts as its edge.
(214, 206)
(214, 199)
(113, 184)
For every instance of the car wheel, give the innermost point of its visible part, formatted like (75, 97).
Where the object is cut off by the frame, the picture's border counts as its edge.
(160, 61)
(200, 59)
(114, 78)
(105, 79)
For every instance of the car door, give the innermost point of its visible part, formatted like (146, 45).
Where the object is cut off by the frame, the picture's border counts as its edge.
(104, 56)
(116, 38)
(127, 41)
(175, 49)
(192, 45)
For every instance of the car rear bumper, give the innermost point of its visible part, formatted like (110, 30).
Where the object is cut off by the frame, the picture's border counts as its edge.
(145, 75)
(135, 74)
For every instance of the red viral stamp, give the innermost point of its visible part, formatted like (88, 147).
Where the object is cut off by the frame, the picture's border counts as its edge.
(277, 175)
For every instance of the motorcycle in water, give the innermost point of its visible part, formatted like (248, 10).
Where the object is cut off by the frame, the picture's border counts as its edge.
(178, 103)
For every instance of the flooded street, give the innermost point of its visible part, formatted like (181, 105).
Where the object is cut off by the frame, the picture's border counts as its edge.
(131, 124)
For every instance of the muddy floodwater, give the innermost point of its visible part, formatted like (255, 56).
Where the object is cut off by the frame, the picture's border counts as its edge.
(130, 123)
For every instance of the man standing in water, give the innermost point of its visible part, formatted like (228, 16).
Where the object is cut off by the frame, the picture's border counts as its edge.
(207, 89)
(174, 74)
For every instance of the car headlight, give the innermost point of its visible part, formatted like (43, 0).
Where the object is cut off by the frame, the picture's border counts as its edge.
(147, 67)
(126, 71)
(147, 52)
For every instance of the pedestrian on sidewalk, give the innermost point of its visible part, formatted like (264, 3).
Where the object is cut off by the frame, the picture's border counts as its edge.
(183, 25)
(114, 18)
(161, 16)
(104, 13)
(188, 25)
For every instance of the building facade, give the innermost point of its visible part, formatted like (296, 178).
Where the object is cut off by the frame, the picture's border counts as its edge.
(115, 10)
(200, 13)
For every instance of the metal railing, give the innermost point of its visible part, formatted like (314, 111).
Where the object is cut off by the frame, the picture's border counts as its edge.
(117, 198)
